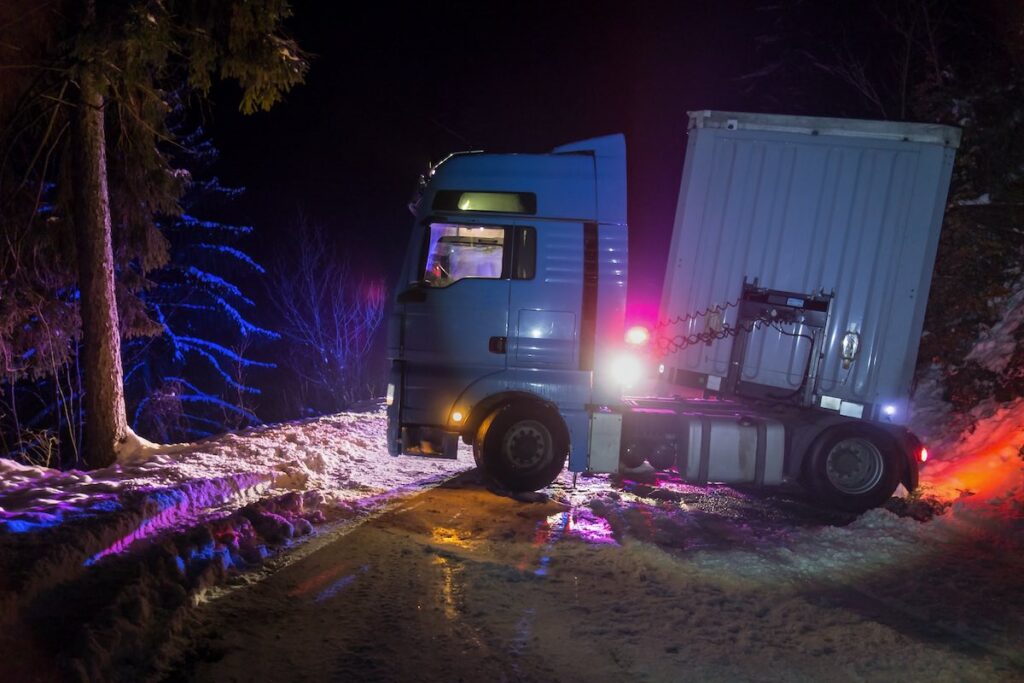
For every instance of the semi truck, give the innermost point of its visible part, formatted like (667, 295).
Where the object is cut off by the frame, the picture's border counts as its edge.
(785, 343)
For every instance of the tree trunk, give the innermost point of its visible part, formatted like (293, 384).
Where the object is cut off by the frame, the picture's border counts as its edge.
(106, 424)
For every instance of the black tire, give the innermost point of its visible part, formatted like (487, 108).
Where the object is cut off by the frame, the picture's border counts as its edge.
(634, 455)
(522, 447)
(477, 456)
(478, 442)
(853, 467)
(662, 457)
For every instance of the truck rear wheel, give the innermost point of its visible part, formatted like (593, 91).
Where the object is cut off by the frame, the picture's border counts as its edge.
(521, 447)
(853, 468)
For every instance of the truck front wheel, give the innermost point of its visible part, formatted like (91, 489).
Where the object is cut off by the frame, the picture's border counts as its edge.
(521, 447)
(853, 468)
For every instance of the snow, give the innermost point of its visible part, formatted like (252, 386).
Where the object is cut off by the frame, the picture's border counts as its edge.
(343, 456)
(996, 346)
(981, 200)
(152, 534)
(179, 523)
(241, 495)
(976, 459)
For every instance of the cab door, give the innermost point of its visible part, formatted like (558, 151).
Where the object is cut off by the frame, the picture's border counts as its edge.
(544, 303)
(454, 317)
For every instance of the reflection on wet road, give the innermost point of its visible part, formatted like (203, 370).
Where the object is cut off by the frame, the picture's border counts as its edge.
(611, 581)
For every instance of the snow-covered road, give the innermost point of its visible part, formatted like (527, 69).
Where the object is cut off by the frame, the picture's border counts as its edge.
(204, 565)
(616, 581)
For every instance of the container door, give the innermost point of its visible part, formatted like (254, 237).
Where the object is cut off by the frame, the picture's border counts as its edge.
(455, 320)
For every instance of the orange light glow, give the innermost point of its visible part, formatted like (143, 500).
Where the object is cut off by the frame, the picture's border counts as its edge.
(457, 416)
(983, 468)
(453, 537)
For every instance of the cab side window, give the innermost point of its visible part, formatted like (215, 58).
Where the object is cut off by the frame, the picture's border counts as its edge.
(456, 252)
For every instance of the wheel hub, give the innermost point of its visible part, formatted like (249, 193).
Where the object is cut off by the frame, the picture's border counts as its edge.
(854, 466)
(527, 444)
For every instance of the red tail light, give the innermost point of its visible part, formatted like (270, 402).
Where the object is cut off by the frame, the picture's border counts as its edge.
(923, 454)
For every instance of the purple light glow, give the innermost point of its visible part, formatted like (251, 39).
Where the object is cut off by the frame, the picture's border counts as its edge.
(167, 508)
(55, 514)
(340, 585)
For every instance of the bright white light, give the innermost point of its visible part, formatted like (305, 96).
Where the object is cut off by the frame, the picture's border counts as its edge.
(626, 369)
(889, 410)
(390, 398)
(638, 335)
(536, 333)
(457, 416)
(661, 368)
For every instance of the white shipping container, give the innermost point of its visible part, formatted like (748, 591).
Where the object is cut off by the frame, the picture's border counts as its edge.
(810, 205)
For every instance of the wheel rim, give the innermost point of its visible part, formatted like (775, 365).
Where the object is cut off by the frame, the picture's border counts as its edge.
(854, 466)
(526, 445)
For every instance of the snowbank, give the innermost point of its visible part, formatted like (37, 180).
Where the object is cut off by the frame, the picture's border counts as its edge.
(342, 455)
(177, 522)
(977, 459)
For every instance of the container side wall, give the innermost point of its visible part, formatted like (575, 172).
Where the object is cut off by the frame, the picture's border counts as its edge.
(856, 216)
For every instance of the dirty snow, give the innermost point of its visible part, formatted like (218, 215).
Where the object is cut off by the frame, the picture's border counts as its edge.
(616, 579)
(180, 520)
(125, 553)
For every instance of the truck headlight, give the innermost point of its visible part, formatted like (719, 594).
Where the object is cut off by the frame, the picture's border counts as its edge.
(638, 335)
(626, 369)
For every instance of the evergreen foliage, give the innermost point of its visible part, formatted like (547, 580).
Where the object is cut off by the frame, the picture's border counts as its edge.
(196, 378)
(145, 57)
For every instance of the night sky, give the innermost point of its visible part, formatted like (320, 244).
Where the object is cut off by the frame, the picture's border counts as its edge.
(392, 88)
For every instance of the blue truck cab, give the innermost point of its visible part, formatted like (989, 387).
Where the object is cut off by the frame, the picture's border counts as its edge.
(511, 301)
(793, 303)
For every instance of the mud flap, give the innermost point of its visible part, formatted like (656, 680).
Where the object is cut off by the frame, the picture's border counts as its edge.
(578, 422)
(394, 409)
(430, 442)
(605, 439)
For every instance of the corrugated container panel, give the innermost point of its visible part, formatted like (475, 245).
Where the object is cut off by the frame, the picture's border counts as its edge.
(854, 214)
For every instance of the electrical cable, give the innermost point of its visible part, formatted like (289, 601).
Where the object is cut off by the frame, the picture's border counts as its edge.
(666, 345)
(683, 319)
(807, 366)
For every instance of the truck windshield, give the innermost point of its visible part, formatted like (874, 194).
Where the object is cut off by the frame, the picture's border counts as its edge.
(455, 252)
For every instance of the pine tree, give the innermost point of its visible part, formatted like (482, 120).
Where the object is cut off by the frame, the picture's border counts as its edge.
(92, 120)
(194, 379)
